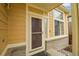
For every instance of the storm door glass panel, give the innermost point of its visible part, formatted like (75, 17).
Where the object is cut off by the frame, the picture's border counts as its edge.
(36, 32)
(36, 25)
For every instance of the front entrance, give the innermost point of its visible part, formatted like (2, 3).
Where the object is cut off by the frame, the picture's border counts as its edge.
(36, 36)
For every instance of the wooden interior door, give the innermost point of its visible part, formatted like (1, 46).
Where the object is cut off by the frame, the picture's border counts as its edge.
(36, 32)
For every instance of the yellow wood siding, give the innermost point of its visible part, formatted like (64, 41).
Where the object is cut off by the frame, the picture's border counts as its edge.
(16, 23)
(51, 26)
(3, 27)
(15, 28)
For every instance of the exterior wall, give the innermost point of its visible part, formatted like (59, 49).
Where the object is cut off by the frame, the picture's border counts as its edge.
(38, 11)
(16, 23)
(57, 43)
(54, 43)
(65, 24)
(51, 25)
(3, 27)
(33, 12)
(32, 9)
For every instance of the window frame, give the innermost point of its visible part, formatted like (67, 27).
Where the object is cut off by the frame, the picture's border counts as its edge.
(60, 20)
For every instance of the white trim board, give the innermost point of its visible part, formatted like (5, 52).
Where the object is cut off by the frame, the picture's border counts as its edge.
(56, 37)
(11, 46)
(35, 52)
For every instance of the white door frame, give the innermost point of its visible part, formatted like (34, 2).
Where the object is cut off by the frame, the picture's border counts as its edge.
(28, 48)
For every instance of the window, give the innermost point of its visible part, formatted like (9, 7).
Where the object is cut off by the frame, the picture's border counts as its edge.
(58, 14)
(59, 22)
